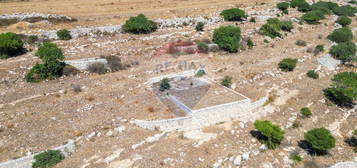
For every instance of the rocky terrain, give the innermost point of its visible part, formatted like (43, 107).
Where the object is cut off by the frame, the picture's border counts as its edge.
(97, 112)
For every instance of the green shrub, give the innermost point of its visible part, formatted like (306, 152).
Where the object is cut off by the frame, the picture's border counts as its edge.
(10, 45)
(306, 112)
(49, 51)
(318, 49)
(271, 135)
(270, 31)
(344, 21)
(344, 51)
(51, 68)
(227, 81)
(250, 44)
(228, 38)
(200, 73)
(164, 84)
(283, 6)
(64, 34)
(341, 35)
(325, 7)
(274, 26)
(320, 139)
(252, 19)
(233, 14)
(353, 2)
(139, 25)
(313, 17)
(203, 47)
(200, 26)
(344, 89)
(287, 64)
(297, 3)
(296, 157)
(312, 74)
(286, 26)
(346, 10)
(304, 7)
(47, 159)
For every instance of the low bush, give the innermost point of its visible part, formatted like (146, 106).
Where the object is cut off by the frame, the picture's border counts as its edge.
(64, 34)
(164, 84)
(320, 139)
(271, 135)
(139, 25)
(49, 52)
(295, 157)
(234, 14)
(304, 7)
(344, 21)
(200, 26)
(301, 43)
(341, 35)
(114, 63)
(297, 3)
(10, 45)
(273, 27)
(325, 7)
(200, 73)
(51, 68)
(313, 17)
(344, 51)
(250, 43)
(305, 112)
(343, 91)
(318, 49)
(228, 38)
(346, 10)
(69, 70)
(202, 47)
(283, 6)
(312, 74)
(47, 159)
(227, 81)
(287, 64)
(97, 67)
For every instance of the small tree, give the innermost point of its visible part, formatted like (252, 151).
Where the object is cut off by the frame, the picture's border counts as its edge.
(344, 21)
(344, 89)
(312, 74)
(283, 6)
(306, 112)
(320, 139)
(271, 135)
(341, 35)
(228, 38)
(233, 14)
(345, 51)
(64, 34)
(139, 25)
(287, 64)
(47, 159)
(199, 26)
(10, 45)
(227, 81)
(164, 84)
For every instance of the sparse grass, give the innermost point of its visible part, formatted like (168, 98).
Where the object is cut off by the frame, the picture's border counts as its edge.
(296, 157)
(97, 67)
